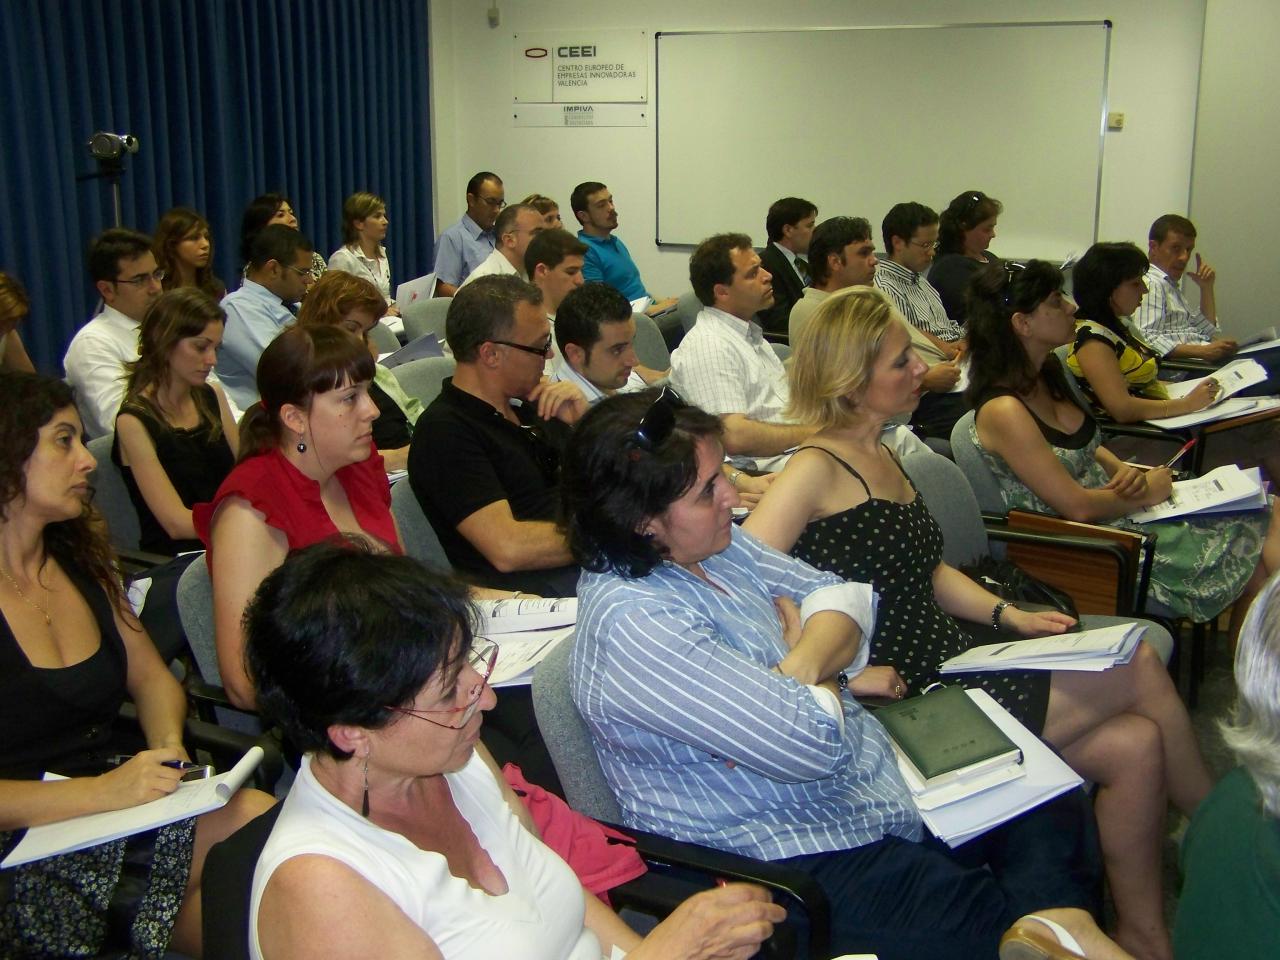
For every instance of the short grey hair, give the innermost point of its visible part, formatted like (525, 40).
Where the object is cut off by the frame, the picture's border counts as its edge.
(1253, 731)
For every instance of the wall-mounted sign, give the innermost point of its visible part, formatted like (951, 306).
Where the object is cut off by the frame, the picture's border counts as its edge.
(580, 66)
(580, 115)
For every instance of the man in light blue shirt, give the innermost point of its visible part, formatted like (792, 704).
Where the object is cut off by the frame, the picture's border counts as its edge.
(278, 274)
(465, 245)
(608, 260)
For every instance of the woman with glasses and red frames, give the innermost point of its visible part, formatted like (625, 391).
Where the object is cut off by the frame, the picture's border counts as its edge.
(71, 652)
(398, 837)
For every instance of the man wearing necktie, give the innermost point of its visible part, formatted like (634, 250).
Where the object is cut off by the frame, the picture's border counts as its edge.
(789, 224)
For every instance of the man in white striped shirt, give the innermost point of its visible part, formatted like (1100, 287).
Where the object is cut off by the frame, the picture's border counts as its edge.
(1171, 325)
(724, 365)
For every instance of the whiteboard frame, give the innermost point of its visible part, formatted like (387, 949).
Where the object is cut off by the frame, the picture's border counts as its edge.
(1105, 24)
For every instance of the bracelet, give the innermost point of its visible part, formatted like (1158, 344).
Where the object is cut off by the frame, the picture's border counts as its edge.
(998, 611)
(733, 478)
(842, 681)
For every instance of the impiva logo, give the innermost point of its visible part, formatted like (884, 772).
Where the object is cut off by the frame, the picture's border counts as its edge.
(535, 53)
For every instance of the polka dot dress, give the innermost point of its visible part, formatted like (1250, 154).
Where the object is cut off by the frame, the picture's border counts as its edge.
(896, 547)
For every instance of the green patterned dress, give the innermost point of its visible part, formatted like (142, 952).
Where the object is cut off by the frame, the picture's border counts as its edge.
(1201, 564)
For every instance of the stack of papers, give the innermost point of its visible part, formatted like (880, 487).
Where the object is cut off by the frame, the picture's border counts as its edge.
(1092, 650)
(525, 630)
(1231, 379)
(1044, 776)
(1223, 410)
(1228, 489)
(427, 345)
(191, 799)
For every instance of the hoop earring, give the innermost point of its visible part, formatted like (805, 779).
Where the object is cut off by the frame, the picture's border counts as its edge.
(364, 803)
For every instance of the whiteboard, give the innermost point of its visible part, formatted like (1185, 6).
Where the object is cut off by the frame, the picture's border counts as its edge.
(859, 119)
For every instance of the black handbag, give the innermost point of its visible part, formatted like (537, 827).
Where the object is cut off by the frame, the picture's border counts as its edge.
(1008, 581)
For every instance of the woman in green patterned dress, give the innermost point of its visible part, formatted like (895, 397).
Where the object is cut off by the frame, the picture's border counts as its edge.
(1048, 456)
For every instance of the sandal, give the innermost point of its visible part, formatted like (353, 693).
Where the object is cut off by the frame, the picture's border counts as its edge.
(1032, 941)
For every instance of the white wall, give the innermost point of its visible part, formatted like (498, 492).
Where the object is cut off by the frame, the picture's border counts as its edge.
(1155, 55)
(1235, 191)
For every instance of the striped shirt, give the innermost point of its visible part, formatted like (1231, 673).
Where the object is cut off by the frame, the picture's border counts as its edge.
(674, 680)
(1165, 319)
(724, 365)
(916, 300)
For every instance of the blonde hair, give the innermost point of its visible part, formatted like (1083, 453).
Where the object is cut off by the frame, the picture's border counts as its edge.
(834, 354)
(541, 203)
(359, 206)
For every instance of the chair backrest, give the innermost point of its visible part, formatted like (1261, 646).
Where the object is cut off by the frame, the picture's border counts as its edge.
(687, 309)
(382, 337)
(195, 610)
(226, 887)
(783, 350)
(422, 378)
(947, 494)
(425, 316)
(1073, 385)
(969, 459)
(568, 740)
(111, 496)
(650, 345)
(420, 540)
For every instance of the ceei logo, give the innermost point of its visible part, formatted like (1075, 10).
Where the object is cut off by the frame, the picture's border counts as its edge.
(535, 53)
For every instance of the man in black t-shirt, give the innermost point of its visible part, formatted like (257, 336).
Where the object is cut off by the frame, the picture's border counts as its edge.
(485, 457)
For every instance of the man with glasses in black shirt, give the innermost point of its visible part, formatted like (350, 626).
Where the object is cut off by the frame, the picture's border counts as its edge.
(485, 457)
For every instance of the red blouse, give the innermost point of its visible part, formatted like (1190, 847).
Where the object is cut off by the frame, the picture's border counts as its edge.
(290, 500)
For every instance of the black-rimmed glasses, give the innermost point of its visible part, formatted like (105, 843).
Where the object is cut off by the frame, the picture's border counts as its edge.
(659, 420)
(482, 657)
(542, 351)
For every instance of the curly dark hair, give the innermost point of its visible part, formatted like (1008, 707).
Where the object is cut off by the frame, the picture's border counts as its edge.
(998, 360)
(1095, 278)
(339, 632)
(964, 213)
(28, 401)
(610, 485)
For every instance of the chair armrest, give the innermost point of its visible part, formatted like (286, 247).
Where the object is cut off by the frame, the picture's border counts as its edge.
(206, 696)
(777, 337)
(135, 563)
(1196, 366)
(1065, 553)
(679, 869)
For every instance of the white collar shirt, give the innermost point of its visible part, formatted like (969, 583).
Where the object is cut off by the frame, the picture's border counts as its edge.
(377, 270)
(1165, 319)
(95, 366)
(562, 371)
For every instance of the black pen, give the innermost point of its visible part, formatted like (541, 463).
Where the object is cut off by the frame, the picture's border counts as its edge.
(175, 764)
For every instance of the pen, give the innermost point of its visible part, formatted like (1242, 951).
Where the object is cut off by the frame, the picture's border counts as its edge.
(1184, 448)
(175, 764)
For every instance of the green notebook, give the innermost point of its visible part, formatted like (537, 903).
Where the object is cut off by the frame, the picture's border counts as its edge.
(945, 736)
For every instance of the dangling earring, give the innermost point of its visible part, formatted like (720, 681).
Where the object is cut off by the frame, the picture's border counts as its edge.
(301, 446)
(364, 803)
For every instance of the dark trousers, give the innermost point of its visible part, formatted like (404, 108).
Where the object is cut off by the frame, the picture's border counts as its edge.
(937, 413)
(923, 901)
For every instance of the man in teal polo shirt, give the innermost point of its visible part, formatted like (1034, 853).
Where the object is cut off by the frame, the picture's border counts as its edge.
(608, 260)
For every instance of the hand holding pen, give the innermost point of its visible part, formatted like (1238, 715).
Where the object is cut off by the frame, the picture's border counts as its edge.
(144, 777)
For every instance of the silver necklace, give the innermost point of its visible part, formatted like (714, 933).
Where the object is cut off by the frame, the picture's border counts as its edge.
(43, 611)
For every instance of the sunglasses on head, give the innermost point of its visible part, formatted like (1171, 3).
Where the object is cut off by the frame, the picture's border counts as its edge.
(659, 420)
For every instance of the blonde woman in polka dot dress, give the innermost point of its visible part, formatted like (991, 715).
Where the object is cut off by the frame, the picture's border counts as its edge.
(844, 504)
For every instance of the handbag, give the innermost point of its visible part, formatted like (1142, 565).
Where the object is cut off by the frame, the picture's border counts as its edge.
(1008, 581)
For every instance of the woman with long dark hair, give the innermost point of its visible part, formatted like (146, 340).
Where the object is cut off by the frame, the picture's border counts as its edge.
(184, 251)
(965, 231)
(71, 651)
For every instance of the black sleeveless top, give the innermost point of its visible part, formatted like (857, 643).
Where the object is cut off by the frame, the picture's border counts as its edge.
(195, 460)
(896, 547)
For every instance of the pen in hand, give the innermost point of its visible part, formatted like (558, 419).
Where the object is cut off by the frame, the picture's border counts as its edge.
(1181, 450)
(174, 764)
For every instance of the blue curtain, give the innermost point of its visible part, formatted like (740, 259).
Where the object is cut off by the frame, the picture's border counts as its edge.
(229, 98)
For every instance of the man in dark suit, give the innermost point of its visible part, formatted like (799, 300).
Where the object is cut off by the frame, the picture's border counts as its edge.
(789, 224)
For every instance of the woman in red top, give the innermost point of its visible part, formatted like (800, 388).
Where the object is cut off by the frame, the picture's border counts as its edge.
(308, 470)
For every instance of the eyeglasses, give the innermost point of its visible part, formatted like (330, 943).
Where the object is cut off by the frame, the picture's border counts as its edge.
(481, 658)
(542, 351)
(142, 279)
(659, 420)
(304, 273)
(497, 203)
(924, 244)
